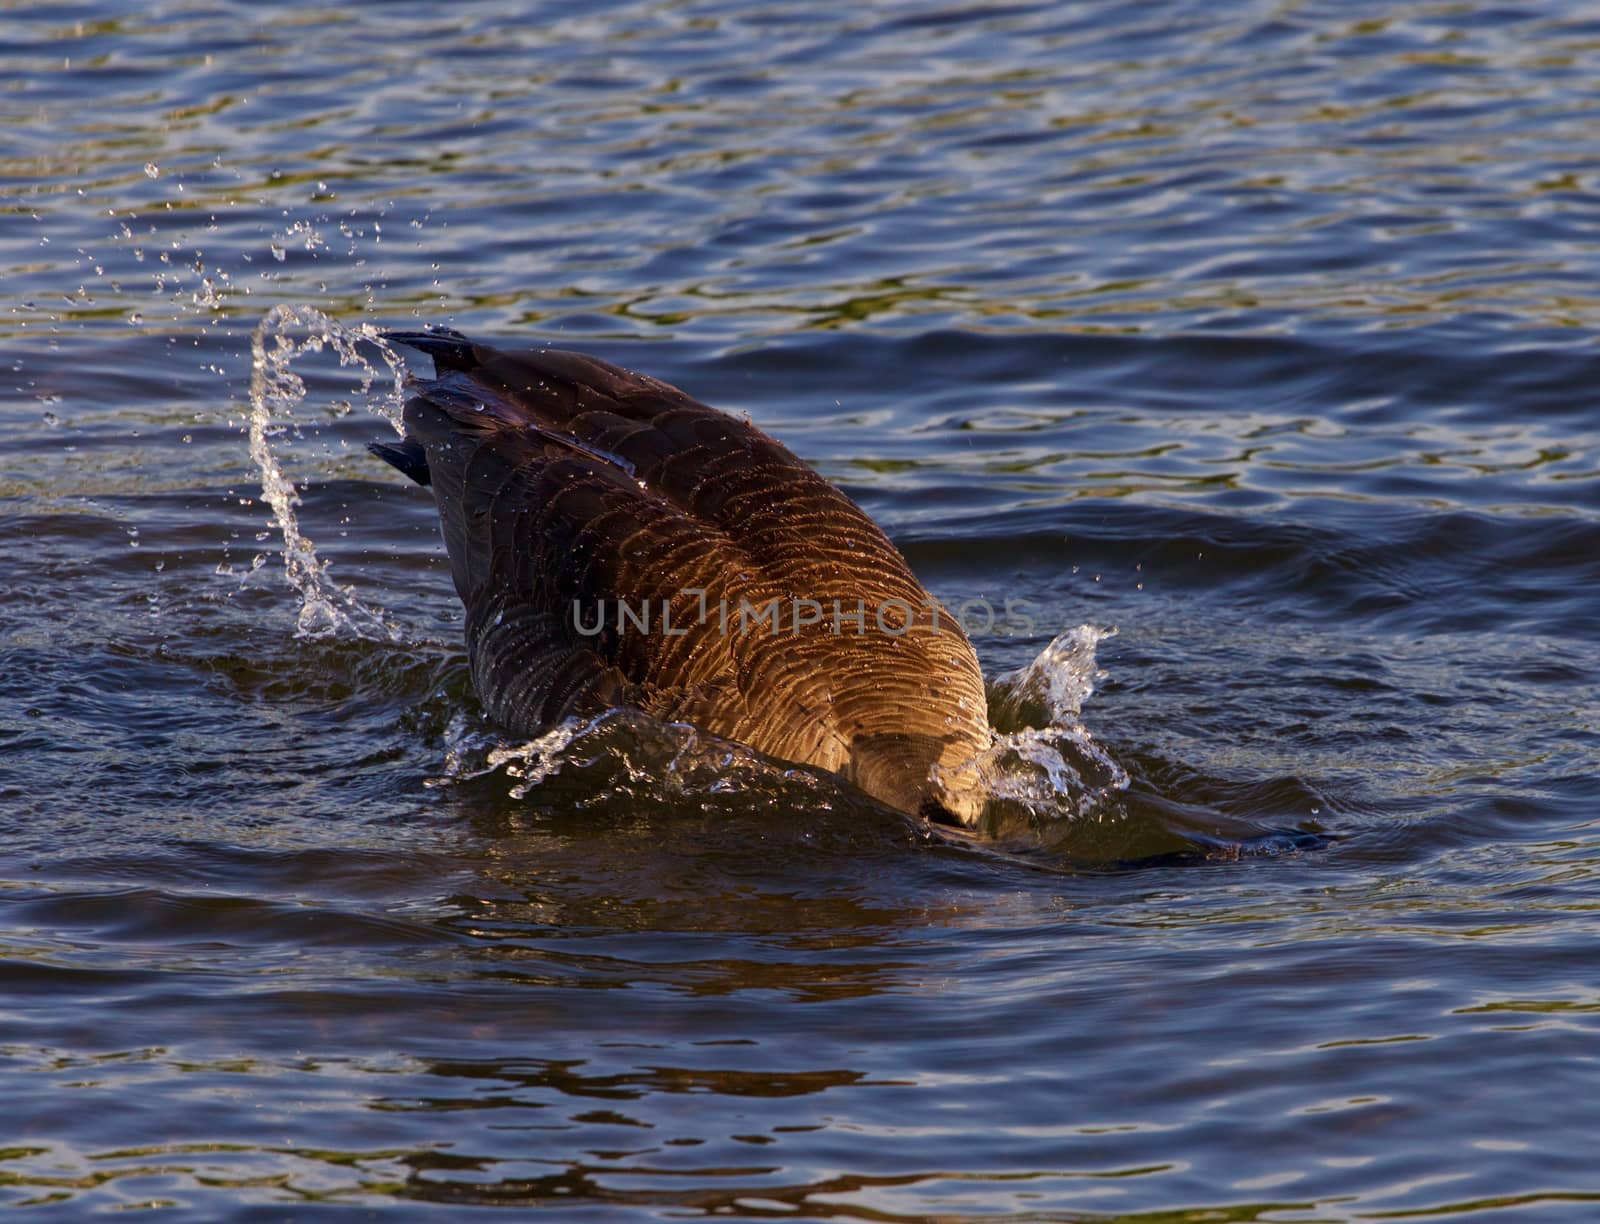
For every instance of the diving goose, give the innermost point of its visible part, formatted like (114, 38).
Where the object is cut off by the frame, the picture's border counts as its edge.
(617, 543)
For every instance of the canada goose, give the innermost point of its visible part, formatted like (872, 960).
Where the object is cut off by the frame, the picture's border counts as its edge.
(617, 543)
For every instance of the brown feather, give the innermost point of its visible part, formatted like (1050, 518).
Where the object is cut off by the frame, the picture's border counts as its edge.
(566, 484)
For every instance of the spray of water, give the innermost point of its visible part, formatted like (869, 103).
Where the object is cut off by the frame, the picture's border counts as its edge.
(285, 333)
(1039, 778)
(1046, 768)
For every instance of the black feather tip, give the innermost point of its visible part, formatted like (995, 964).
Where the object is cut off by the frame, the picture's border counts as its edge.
(450, 350)
(408, 456)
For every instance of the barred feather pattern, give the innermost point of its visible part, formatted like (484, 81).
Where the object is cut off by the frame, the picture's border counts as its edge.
(569, 488)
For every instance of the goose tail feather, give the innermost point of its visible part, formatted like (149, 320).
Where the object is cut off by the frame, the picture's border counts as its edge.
(450, 350)
(406, 455)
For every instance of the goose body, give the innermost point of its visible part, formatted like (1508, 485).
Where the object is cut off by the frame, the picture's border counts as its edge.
(617, 543)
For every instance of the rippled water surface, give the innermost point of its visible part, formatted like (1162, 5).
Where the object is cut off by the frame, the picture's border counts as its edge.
(1262, 332)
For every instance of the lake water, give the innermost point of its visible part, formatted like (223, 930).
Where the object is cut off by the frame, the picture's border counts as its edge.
(1262, 332)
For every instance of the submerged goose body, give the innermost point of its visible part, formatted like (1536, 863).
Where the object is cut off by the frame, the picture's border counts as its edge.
(617, 543)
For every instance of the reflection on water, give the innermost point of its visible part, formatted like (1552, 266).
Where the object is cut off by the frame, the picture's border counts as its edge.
(1261, 332)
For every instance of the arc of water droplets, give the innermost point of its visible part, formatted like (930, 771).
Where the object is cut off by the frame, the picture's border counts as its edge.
(275, 391)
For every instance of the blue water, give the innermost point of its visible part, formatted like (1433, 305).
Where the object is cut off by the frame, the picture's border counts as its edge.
(1263, 333)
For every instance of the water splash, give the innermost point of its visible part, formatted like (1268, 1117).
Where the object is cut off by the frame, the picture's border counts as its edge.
(1039, 778)
(1051, 690)
(1044, 767)
(326, 608)
(626, 754)
(533, 762)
